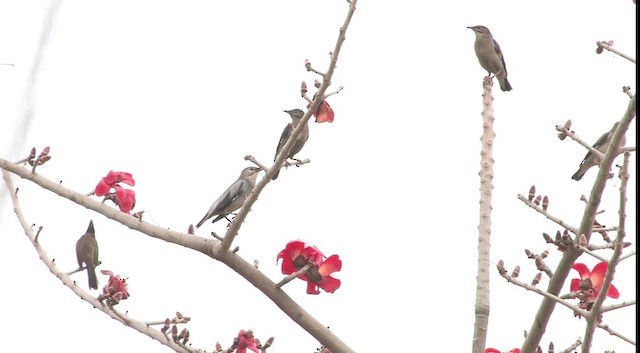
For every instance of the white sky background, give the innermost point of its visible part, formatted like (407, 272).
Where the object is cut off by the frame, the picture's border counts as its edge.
(177, 93)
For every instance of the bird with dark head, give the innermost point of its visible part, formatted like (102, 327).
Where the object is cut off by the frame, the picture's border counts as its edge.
(233, 198)
(490, 56)
(592, 159)
(296, 116)
(87, 254)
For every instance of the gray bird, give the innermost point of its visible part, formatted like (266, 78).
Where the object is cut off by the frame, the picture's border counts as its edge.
(591, 159)
(232, 198)
(87, 253)
(296, 115)
(490, 55)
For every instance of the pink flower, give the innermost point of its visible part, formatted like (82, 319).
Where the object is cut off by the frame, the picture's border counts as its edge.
(590, 284)
(324, 113)
(115, 290)
(320, 276)
(297, 255)
(246, 340)
(124, 198)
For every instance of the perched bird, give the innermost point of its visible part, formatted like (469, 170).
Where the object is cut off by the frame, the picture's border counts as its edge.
(296, 115)
(232, 198)
(87, 253)
(490, 55)
(592, 159)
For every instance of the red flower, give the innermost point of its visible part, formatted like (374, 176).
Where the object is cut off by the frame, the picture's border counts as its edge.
(246, 340)
(112, 179)
(590, 284)
(297, 255)
(320, 275)
(115, 290)
(324, 113)
(124, 198)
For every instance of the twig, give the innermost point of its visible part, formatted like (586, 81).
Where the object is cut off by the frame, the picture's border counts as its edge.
(612, 332)
(563, 129)
(608, 47)
(555, 220)
(293, 276)
(573, 346)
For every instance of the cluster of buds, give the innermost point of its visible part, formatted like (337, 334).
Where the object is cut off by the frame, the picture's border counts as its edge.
(601, 45)
(34, 160)
(538, 199)
(562, 135)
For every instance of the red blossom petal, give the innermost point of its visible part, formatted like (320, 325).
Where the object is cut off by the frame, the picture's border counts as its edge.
(330, 265)
(575, 285)
(111, 178)
(312, 254)
(491, 350)
(582, 269)
(245, 341)
(324, 113)
(290, 252)
(126, 198)
(126, 178)
(329, 284)
(102, 188)
(597, 275)
(515, 350)
(312, 288)
(612, 292)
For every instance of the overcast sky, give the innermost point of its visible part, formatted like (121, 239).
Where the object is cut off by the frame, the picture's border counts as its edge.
(177, 93)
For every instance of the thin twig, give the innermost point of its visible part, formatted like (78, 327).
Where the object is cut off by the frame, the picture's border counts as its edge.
(293, 276)
(608, 47)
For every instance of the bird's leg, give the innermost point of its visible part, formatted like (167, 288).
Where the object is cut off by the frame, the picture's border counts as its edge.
(297, 160)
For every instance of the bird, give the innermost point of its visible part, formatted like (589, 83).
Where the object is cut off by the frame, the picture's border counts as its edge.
(296, 116)
(87, 253)
(232, 198)
(490, 55)
(591, 159)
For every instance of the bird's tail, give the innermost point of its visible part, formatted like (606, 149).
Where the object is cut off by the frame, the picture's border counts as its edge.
(505, 86)
(579, 174)
(204, 219)
(93, 280)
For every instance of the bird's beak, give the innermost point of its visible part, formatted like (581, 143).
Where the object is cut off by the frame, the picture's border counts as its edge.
(287, 111)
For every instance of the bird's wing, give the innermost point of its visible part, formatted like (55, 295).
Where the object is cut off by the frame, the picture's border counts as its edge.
(602, 140)
(283, 139)
(499, 52)
(599, 143)
(227, 197)
(96, 257)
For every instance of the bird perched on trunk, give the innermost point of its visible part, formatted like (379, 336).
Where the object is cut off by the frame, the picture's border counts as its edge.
(490, 55)
(232, 198)
(87, 253)
(591, 159)
(296, 116)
